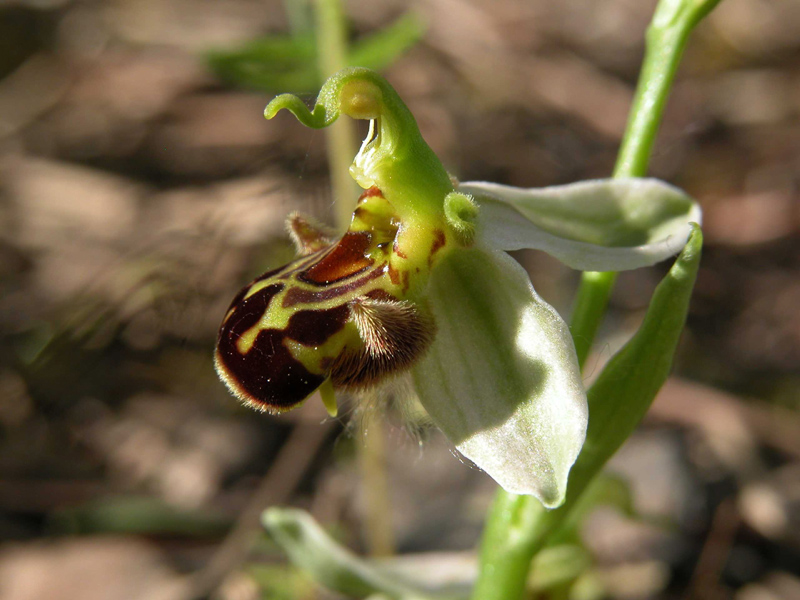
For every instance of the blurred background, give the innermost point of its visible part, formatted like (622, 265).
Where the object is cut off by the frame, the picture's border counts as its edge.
(140, 188)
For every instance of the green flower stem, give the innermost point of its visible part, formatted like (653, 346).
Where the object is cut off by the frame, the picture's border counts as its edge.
(511, 538)
(590, 306)
(299, 15)
(518, 527)
(665, 40)
(378, 529)
(340, 136)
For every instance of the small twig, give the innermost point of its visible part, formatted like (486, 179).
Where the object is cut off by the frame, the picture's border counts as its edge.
(276, 487)
(705, 583)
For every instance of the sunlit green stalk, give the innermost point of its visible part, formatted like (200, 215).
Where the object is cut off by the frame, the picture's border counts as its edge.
(518, 527)
(666, 40)
(377, 506)
(340, 137)
(298, 12)
(590, 306)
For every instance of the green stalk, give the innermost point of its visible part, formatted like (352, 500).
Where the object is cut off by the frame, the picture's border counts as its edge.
(591, 302)
(517, 527)
(340, 136)
(299, 14)
(666, 39)
(377, 505)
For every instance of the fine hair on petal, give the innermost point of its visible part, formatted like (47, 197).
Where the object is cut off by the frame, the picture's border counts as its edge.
(394, 335)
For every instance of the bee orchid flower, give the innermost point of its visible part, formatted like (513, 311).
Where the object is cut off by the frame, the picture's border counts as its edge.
(420, 284)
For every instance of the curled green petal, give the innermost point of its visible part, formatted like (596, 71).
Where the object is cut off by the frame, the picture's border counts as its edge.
(601, 225)
(501, 378)
(394, 157)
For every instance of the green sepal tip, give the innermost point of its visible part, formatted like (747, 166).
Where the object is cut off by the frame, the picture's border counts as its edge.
(328, 395)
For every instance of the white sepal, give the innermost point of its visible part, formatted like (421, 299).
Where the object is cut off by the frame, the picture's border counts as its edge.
(599, 225)
(501, 378)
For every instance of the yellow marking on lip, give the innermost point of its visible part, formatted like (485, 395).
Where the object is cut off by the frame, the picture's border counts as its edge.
(257, 287)
(245, 342)
(271, 319)
(228, 315)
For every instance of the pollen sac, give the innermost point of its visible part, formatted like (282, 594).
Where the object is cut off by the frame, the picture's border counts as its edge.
(337, 312)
